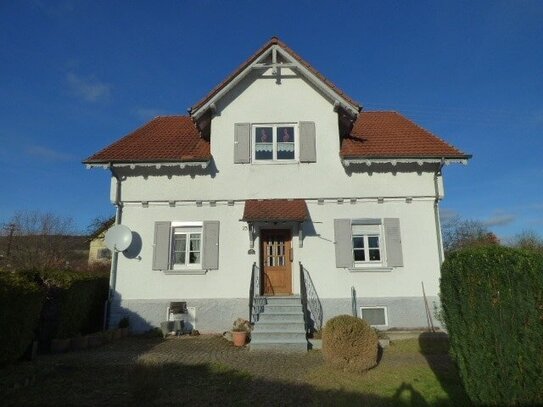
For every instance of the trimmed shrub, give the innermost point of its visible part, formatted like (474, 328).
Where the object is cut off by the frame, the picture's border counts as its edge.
(20, 307)
(492, 301)
(350, 344)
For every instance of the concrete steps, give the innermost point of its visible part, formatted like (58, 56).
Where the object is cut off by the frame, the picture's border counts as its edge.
(280, 326)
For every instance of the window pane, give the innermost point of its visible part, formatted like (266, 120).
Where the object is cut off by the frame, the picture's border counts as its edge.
(285, 143)
(179, 249)
(374, 316)
(195, 242)
(359, 255)
(375, 255)
(264, 143)
(194, 258)
(358, 242)
(373, 242)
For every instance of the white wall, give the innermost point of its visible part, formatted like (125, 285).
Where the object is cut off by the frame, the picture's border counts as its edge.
(137, 280)
(262, 100)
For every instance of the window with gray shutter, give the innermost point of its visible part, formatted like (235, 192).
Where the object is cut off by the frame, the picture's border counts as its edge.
(308, 148)
(343, 242)
(161, 246)
(210, 260)
(393, 241)
(242, 143)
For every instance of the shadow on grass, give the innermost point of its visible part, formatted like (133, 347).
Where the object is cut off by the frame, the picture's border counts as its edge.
(219, 385)
(435, 348)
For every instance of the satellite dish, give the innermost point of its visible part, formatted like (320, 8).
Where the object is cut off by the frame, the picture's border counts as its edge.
(118, 238)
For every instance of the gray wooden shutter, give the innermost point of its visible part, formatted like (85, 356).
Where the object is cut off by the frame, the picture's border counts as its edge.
(161, 246)
(308, 148)
(393, 239)
(344, 242)
(210, 260)
(242, 143)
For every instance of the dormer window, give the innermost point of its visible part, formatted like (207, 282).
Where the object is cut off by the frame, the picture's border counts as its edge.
(274, 142)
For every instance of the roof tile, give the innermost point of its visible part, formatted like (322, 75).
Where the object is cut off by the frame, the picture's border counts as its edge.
(163, 139)
(389, 134)
(275, 210)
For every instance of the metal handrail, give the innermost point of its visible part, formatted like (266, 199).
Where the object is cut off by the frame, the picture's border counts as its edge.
(310, 301)
(256, 300)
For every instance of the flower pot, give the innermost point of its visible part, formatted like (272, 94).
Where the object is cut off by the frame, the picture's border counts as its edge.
(239, 338)
(80, 342)
(60, 345)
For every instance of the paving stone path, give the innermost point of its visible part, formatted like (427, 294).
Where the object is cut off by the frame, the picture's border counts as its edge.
(198, 350)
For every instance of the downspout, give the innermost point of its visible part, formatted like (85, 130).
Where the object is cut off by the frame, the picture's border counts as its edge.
(436, 212)
(115, 255)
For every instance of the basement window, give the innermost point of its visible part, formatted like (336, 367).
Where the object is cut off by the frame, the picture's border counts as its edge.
(375, 316)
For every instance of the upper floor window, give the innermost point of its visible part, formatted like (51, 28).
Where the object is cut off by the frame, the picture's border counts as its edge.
(274, 142)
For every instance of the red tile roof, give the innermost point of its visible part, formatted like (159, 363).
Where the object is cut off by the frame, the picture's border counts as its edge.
(389, 134)
(252, 58)
(163, 139)
(275, 210)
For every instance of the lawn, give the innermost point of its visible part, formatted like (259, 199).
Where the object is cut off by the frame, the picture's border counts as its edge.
(207, 370)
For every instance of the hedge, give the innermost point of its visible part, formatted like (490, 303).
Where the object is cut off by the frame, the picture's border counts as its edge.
(20, 306)
(492, 300)
(75, 302)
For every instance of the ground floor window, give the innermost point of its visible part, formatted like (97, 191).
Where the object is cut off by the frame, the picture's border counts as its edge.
(367, 244)
(186, 246)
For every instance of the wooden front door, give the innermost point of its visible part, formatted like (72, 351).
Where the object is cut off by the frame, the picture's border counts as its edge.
(276, 257)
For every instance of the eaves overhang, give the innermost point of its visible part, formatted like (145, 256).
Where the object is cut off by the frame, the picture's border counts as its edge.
(369, 160)
(147, 164)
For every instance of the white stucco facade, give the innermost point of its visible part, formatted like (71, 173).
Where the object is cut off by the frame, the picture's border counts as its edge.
(407, 192)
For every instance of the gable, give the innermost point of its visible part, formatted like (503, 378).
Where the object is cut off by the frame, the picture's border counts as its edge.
(275, 56)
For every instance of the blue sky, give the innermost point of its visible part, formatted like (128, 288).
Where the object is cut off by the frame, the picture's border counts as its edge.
(77, 75)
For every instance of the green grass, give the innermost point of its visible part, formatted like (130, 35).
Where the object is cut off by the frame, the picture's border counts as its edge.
(148, 372)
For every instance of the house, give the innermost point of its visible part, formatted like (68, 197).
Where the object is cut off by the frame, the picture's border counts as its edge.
(98, 252)
(277, 192)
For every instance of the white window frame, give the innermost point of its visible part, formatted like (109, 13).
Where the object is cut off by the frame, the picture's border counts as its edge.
(186, 228)
(385, 310)
(274, 160)
(382, 253)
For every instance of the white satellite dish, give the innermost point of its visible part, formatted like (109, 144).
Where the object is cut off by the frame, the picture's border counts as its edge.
(118, 238)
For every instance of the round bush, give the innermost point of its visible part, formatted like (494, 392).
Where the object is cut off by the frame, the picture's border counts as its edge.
(350, 344)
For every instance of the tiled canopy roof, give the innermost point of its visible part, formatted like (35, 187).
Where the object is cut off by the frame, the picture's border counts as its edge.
(163, 139)
(252, 58)
(275, 210)
(389, 134)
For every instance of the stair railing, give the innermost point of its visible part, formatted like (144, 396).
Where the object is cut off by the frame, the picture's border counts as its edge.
(310, 302)
(256, 300)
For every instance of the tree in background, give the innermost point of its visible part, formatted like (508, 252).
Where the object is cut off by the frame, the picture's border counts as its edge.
(459, 233)
(528, 239)
(41, 241)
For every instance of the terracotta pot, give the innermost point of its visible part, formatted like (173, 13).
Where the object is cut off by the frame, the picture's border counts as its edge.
(80, 342)
(60, 345)
(239, 338)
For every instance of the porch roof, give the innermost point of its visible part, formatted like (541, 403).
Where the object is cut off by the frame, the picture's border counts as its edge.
(275, 210)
